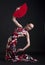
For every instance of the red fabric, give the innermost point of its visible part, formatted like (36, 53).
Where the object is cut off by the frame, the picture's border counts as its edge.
(21, 12)
(15, 42)
(7, 57)
(15, 33)
(19, 29)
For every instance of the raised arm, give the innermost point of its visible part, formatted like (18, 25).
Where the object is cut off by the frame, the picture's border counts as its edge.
(16, 22)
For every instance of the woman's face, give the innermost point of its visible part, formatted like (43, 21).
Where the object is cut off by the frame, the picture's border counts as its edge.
(30, 26)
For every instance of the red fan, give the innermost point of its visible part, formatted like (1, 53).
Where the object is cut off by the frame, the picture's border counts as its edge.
(20, 11)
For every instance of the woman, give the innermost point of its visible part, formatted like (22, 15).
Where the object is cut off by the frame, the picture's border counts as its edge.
(11, 50)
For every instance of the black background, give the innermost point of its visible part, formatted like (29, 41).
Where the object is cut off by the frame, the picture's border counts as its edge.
(35, 15)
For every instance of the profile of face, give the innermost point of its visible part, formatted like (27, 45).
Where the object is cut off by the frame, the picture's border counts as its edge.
(29, 26)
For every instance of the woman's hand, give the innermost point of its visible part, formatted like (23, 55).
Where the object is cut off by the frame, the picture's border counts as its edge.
(20, 50)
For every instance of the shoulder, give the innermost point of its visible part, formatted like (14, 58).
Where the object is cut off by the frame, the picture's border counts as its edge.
(25, 32)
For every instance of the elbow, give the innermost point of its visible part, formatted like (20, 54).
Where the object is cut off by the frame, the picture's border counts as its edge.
(28, 45)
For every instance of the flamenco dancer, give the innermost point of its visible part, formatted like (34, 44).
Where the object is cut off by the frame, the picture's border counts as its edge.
(11, 50)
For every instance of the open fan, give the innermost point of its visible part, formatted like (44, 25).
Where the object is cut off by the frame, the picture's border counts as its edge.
(20, 11)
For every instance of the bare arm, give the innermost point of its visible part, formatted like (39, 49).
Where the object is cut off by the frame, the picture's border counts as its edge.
(28, 41)
(16, 22)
